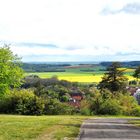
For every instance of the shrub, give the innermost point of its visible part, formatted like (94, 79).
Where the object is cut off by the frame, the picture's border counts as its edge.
(136, 111)
(106, 94)
(22, 102)
(110, 107)
(55, 107)
(32, 106)
(128, 104)
(64, 98)
(104, 103)
(106, 107)
(85, 107)
(85, 111)
(95, 107)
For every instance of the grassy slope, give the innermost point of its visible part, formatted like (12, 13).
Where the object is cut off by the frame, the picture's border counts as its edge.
(14, 127)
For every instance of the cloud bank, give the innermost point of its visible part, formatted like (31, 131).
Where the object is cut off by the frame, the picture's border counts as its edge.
(71, 30)
(130, 8)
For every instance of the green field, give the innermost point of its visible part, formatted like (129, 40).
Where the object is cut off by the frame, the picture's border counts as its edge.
(77, 76)
(13, 127)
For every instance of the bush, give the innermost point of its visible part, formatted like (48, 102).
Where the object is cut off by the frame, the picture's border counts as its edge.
(128, 104)
(85, 107)
(110, 107)
(55, 107)
(22, 102)
(136, 111)
(64, 98)
(85, 111)
(103, 103)
(33, 106)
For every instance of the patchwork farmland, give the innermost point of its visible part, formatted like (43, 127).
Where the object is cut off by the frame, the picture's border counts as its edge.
(81, 73)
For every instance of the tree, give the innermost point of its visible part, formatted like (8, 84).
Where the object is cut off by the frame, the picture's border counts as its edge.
(137, 73)
(10, 71)
(113, 79)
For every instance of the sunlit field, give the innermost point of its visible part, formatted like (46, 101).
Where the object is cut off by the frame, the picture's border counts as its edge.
(87, 77)
(95, 78)
(127, 69)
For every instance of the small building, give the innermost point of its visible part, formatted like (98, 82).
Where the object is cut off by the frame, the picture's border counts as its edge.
(137, 95)
(76, 98)
(132, 90)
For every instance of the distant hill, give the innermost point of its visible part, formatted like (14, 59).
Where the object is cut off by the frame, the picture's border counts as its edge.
(130, 64)
(82, 66)
(34, 67)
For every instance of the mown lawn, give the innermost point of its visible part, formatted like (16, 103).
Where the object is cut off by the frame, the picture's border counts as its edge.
(14, 127)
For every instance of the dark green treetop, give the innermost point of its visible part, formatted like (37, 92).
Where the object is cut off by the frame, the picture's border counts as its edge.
(114, 80)
(137, 73)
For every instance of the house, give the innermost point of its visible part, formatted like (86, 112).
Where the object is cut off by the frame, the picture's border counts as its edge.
(132, 90)
(137, 95)
(76, 97)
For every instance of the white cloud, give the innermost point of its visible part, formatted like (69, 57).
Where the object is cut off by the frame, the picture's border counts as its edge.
(67, 23)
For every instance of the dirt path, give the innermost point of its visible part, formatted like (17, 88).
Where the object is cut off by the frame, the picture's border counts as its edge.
(109, 129)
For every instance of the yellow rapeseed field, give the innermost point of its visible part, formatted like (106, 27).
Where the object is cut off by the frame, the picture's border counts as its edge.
(89, 79)
(75, 77)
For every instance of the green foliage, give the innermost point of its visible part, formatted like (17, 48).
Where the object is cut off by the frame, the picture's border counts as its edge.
(85, 107)
(10, 72)
(85, 111)
(106, 94)
(27, 103)
(128, 103)
(104, 103)
(55, 107)
(52, 96)
(110, 107)
(137, 73)
(136, 111)
(55, 90)
(22, 102)
(113, 79)
(64, 98)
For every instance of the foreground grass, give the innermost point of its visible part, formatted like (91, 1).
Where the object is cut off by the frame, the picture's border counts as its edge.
(13, 127)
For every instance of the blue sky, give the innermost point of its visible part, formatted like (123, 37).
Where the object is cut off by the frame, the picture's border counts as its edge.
(71, 30)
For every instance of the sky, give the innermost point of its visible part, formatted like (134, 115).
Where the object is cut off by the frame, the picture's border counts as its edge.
(71, 30)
